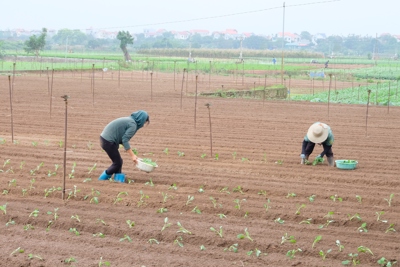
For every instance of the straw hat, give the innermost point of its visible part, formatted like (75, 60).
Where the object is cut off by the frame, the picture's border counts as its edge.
(318, 132)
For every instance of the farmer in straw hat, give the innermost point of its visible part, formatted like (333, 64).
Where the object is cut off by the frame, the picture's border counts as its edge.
(321, 134)
(119, 132)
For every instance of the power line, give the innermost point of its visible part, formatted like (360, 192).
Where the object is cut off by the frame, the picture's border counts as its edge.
(220, 16)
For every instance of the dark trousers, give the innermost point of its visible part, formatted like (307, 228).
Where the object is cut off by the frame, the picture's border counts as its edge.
(112, 151)
(308, 148)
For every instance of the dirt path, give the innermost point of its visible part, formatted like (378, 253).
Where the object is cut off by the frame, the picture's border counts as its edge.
(256, 183)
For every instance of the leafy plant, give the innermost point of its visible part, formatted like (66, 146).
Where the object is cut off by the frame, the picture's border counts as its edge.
(181, 154)
(216, 157)
(324, 254)
(359, 198)
(182, 229)
(76, 217)
(291, 195)
(232, 248)
(316, 240)
(220, 232)
(141, 199)
(299, 207)
(290, 238)
(279, 220)
(34, 213)
(173, 186)
(89, 145)
(105, 263)
(203, 155)
(266, 205)
(31, 256)
(389, 200)
(189, 200)
(326, 224)
(3, 208)
(354, 259)
(356, 216)
(379, 214)
(262, 192)
(153, 240)
(126, 237)
(336, 197)
(166, 151)
(363, 249)
(162, 210)
(312, 198)
(363, 228)
(70, 260)
(55, 215)
(238, 189)
(18, 250)
(73, 230)
(390, 228)
(238, 201)
(245, 235)
(179, 241)
(149, 162)
(196, 210)
(91, 169)
(291, 253)
(308, 221)
(119, 198)
(166, 224)
(234, 155)
(340, 246)
(385, 263)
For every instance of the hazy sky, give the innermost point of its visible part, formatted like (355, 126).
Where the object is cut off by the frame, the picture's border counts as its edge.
(342, 17)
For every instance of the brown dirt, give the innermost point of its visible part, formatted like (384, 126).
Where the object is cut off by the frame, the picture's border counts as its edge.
(260, 135)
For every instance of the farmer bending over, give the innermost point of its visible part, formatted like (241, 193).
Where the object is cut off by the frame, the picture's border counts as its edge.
(321, 134)
(117, 132)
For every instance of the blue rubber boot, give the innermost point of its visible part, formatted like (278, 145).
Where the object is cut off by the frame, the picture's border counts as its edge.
(104, 176)
(119, 177)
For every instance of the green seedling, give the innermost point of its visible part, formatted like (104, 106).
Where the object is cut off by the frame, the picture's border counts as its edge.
(28, 227)
(234, 155)
(181, 154)
(153, 240)
(3, 208)
(389, 200)
(390, 228)
(279, 220)
(308, 221)
(383, 262)
(126, 237)
(266, 205)
(49, 224)
(94, 196)
(245, 235)
(354, 259)
(225, 190)
(16, 142)
(237, 201)
(130, 223)
(213, 201)
(202, 248)
(312, 198)
(55, 215)
(379, 214)
(72, 173)
(245, 159)
(216, 157)
(196, 210)
(150, 183)
(73, 146)
(5, 192)
(51, 173)
(142, 198)
(70, 260)
(232, 248)
(31, 256)
(21, 165)
(165, 197)
(291, 253)
(34, 213)
(246, 214)
(317, 160)
(34, 143)
(359, 198)
(326, 224)
(101, 235)
(355, 216)
(105, 263)
(299, 207)
(363, 249)
(162, 210)
(24, 190)
(329, 214)
(221, 216)
(166, 224)
(182, 229)
(363, 228)
(340, 246)
(91, 169)
(291, 195)
(73, 230)
(220, 232)
(49, 191)
(166, 151)
(18, 250)
(173, 187)
(60, 143)
(201, 189)
(257, 252)
(189, 200)
(238, 189)
(32, 172)
(101, 221)
(119, 198)
(279, 162)
(324, 254)
(336, 197)
(262, 193)
(76, 217)
(10, 222)
(89, 145)
(13, 182)
(203, 155)
(265, 157)
(289, 238)
(31, 184)
(6, 162)
(74, 192)
(316, 240)
(179, 241)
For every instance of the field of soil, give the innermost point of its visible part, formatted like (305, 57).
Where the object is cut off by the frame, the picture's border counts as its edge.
(249, 203)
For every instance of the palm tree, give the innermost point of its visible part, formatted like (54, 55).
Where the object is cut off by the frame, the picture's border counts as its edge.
(125, 38)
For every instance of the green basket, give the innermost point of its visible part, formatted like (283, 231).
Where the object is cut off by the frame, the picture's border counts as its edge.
(346, 164)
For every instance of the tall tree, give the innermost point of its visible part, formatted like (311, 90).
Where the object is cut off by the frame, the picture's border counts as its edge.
(125, 38)
(2, 53)
(36, 44)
